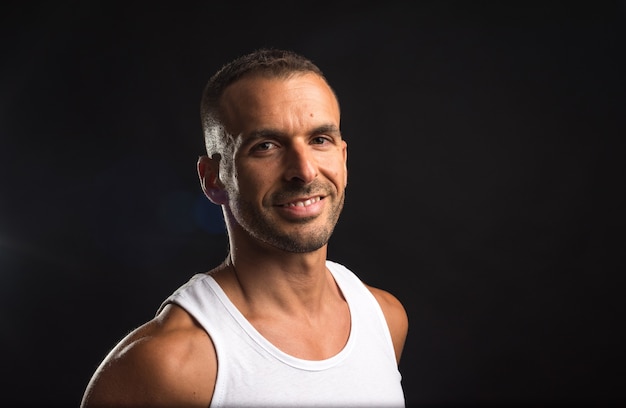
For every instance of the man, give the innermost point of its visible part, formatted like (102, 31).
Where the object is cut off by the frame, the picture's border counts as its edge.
(276, 324)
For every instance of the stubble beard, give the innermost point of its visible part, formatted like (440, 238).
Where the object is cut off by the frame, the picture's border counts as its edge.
(300, 239)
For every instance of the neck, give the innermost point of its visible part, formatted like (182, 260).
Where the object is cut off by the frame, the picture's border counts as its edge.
(291, 283)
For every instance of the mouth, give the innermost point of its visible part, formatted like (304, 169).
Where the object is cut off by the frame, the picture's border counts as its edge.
(303, 203)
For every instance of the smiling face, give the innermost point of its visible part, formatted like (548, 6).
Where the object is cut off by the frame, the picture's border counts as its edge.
(286, 183)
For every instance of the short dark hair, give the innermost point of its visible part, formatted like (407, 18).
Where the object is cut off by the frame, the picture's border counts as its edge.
(268, 62)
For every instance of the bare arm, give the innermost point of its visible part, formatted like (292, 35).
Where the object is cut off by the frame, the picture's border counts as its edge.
(396, 317)
(169, 361)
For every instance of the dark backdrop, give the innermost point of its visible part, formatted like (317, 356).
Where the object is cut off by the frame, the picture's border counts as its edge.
(486, 161)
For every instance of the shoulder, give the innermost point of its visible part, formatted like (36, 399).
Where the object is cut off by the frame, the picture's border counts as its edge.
(396, 317)
(168, 361)
(393, 310)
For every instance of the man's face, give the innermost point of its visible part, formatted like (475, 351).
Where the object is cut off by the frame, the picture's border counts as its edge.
(286, 186)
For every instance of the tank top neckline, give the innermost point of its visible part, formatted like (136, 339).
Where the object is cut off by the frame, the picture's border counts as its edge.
(269, 347)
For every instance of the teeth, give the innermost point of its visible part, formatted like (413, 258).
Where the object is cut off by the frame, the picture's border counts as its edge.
(303, 203)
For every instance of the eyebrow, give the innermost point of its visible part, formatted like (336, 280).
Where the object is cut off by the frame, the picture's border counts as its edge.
(328, 128)
(319, 130)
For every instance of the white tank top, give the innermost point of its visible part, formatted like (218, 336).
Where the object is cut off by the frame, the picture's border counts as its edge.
(252, 372)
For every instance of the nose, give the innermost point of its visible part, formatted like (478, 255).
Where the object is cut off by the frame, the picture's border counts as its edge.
(300, 163)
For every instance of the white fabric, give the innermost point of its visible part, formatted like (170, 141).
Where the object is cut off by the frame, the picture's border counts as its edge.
(252, 372)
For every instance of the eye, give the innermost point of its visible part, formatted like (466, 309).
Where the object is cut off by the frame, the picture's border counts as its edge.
(320, 140)
(264, 146)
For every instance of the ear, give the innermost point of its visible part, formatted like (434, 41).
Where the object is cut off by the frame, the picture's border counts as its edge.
(208, 172)
(345, 160)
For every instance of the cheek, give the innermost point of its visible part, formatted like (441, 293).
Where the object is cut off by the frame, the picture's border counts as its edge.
(345, 171)
(250, 184)
(339, 171)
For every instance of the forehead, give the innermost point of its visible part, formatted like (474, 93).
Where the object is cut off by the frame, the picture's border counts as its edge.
(257, 101)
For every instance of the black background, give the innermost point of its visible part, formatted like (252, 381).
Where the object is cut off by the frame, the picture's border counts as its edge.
(486, 163)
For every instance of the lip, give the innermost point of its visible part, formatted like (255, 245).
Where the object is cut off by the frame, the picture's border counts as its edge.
(302, 202)
(305, 206)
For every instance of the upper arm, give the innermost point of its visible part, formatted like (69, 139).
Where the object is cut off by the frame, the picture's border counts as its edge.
(156, 365)
(396, 316)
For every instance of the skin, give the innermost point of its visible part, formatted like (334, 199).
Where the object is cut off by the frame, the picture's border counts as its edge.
(281, 195)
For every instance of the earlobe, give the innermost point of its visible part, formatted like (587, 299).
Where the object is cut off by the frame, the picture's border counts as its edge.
(208, 173)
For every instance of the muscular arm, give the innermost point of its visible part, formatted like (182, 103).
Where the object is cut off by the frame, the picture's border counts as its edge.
(167, 362)
(396, 317)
